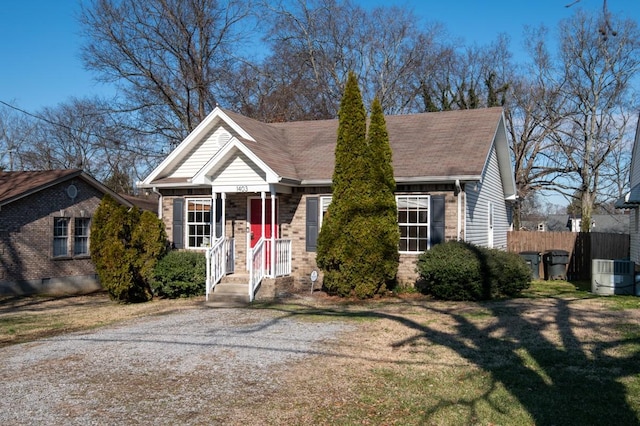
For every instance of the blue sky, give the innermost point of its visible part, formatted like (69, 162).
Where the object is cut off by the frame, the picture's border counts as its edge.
(39, 51)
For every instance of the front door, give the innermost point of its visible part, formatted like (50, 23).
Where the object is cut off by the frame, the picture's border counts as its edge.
(255, 218)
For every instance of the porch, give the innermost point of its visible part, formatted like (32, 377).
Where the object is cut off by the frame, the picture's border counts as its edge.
(264, 263)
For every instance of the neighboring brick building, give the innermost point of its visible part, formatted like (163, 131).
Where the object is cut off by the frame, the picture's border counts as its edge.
(45, 221)
(452, 169)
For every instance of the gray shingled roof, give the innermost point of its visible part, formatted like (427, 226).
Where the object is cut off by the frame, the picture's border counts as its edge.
(426, 147)
(437, 145)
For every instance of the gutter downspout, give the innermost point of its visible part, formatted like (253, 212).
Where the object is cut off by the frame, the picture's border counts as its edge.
(459, 206)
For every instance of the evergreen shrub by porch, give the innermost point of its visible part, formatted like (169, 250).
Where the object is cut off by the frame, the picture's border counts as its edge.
(461, 271)
(125, 246)
(358, 241)
(180, 274)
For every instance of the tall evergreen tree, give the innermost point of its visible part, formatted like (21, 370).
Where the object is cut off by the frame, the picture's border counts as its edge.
(355, 245)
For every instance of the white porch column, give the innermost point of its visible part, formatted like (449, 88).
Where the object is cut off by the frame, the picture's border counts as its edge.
(214, 213)
(272, 261)
(224, 215)
(263, 197)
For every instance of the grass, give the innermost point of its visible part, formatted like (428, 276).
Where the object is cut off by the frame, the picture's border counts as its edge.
(558, 355)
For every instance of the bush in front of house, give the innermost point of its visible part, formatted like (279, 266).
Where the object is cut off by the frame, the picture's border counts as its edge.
(125, 245)
(180, 274)
(510, 273)
(457, 270)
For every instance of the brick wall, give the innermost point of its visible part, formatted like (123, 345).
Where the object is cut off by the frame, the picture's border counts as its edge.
(292, 226)
(26, 241)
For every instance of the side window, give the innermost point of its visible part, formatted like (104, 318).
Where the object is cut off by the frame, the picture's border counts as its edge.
(81, 236)
(60, 236)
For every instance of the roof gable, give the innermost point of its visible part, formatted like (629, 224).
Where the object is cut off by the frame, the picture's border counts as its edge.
(17, 185)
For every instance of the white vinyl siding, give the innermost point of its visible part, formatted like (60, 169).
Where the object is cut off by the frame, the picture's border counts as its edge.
(479, 199)
(202, 152)
(239, 170)
(634, 221)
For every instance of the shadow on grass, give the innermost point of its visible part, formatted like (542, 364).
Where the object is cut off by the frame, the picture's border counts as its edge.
(564, 380)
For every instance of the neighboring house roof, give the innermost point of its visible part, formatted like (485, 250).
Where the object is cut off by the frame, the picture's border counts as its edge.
(614, 223)
(17, 185)
(427, 147)
(149, 203)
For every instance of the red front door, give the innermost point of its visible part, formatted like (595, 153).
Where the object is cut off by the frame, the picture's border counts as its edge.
(255, 213)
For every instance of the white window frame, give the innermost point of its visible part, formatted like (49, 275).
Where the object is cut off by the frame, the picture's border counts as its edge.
(422, 203)
(58, 237)
(82, 239)
(201, 239)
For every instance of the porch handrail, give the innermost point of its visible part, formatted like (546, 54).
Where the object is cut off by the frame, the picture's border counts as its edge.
(282, 265)
(217, 262)
(257, 267)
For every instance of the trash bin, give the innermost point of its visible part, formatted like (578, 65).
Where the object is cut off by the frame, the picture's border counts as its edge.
(555, 264)
(533, 260)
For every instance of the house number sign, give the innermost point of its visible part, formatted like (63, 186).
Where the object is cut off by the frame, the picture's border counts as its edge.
(242, 188)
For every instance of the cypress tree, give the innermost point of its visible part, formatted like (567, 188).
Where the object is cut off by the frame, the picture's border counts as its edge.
(354, 242)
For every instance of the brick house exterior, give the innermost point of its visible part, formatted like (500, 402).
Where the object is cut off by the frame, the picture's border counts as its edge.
(452, 169)
(45, 218)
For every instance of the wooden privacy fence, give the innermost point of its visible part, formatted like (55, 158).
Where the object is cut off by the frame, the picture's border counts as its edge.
(582, 248)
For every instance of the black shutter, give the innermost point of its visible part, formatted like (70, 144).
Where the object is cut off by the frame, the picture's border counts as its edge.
(312, 223)
(437, 219)
(178, 223)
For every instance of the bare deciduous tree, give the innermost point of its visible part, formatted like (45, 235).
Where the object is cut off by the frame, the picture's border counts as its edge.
(164, 55)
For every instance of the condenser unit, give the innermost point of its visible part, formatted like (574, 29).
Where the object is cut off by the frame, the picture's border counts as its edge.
(610, 277)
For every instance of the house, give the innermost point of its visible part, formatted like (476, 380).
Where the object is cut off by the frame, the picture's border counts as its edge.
(609, 223)
(631, 200)
(253, 194)
(45, 221)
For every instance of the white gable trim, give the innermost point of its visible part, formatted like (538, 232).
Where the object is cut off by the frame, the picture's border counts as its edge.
(503, 153)
(224, 154)
(200, 131)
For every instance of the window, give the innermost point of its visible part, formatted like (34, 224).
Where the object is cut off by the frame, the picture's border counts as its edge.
(81, 236)
(198, 223)
(413, 220)
(60, 236)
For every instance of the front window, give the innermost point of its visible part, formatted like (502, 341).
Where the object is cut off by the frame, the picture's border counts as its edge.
(413, 220)
(60, 236)
(81, 237)
(198, 223)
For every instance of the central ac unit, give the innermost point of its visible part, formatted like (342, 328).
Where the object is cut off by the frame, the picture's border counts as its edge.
(609, 277)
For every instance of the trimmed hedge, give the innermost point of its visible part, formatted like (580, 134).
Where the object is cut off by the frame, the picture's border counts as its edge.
(180, 274)
(461, 271)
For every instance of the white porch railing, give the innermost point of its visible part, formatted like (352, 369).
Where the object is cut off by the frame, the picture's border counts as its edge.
(220, 261)
(257, 267)
(282, 264)
(261, 265)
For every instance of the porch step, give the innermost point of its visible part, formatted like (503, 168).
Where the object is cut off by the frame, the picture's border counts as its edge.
(227, 294)
(235, 279)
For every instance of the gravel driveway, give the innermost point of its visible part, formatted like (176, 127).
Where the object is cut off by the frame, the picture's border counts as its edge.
(190, 367)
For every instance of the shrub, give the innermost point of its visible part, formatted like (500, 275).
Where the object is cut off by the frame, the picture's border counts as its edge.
(180, 274)
(511, 274)
(451, 271)
(125, 244)
(461, 271)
